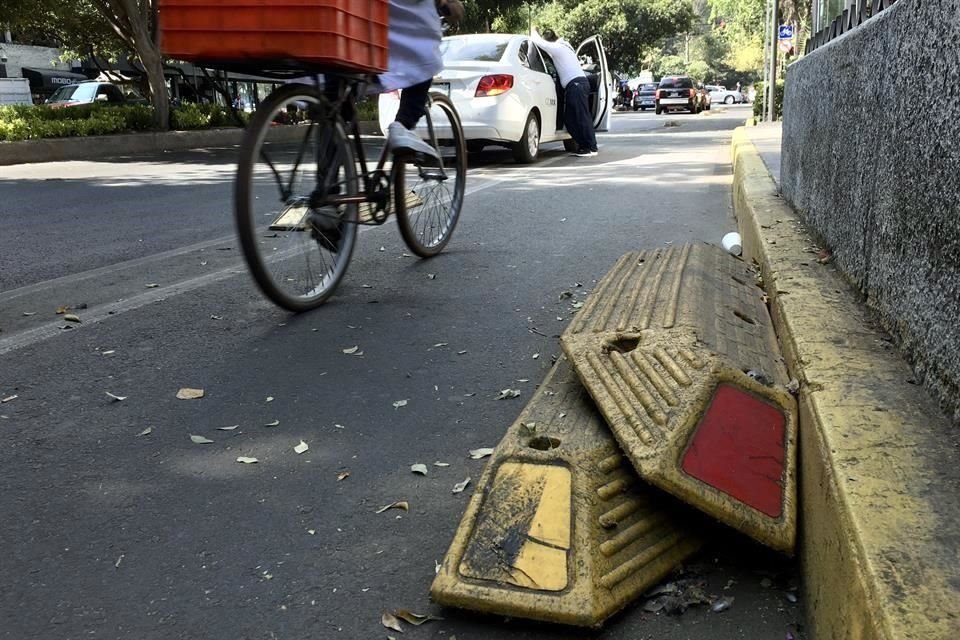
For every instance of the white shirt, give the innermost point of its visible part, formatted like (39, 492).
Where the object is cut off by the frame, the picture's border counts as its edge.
(564, 58)
(414, 38)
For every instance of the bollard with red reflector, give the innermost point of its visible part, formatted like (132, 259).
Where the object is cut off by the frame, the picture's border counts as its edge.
(678, 350)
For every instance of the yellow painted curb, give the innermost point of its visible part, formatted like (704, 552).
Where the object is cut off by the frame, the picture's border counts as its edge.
(560, 528)
(880, 480)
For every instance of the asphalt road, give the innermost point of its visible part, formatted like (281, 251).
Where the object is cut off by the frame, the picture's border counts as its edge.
(113, 531)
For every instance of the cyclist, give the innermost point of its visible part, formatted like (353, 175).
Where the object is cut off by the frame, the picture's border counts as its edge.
(414, 41)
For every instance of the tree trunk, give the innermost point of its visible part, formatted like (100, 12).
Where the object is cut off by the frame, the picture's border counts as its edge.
(153, 65)
(149, 54)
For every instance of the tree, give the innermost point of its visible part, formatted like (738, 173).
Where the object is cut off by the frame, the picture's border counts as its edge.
(89, 27)
(629, 27)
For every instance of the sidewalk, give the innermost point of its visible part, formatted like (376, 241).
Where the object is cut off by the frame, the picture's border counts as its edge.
(766, 139)
(879, 514)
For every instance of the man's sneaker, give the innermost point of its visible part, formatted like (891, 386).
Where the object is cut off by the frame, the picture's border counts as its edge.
(585, 153)
(401, 140)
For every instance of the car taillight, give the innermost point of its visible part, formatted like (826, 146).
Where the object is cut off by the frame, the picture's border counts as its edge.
(494, 85)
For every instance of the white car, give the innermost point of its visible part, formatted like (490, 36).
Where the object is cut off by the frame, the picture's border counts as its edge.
(506, 92)
(724, 95)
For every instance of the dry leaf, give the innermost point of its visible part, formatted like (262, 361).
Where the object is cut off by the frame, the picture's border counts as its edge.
(200, 440)
(419, 468)
(300, 448)
(230, 428)
(152, 285)
(416, 619)
(343, 475)
(272, 424)
(390, 622)
(399, 403)
(436, 567)
(403, 505)
(460, 486)
(29, 313)
(460, 353)
(577, 305)
(71, 318)
(351, 350)
(508, 393)
(477, 454)
(61, 310)
(441, 344)
(214, 317)
(115, 398)
(269, 398)
(441, 464)
(536, 355)
(246, 460)
(107, 353)
(187, 393)
(9, 399)
(145, 432)
(431, 276)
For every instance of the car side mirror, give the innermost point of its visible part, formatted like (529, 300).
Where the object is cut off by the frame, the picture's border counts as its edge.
(101, 98)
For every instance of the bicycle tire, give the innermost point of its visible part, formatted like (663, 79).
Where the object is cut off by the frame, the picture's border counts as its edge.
(433, 202)
(298, 221)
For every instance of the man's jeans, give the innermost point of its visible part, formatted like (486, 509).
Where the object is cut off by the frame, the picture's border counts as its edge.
(577, 116)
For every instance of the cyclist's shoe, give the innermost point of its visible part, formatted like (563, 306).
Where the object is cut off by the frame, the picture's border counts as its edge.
(327, 228)
(404, 142)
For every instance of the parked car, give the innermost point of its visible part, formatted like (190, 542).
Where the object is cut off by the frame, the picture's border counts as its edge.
(724, 95)
(507, 93)
(646, 97)
(678, 92)
(70, 95)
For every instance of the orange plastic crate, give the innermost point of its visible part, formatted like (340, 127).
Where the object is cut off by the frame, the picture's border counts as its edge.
(343, 34)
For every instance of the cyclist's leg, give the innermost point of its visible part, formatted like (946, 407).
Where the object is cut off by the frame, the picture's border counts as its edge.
(400, 135)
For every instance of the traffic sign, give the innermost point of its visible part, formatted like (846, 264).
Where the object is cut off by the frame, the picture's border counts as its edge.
(785, 32)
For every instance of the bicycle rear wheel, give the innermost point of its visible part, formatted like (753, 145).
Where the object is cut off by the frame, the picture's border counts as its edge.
(428, 197)
(296, 246)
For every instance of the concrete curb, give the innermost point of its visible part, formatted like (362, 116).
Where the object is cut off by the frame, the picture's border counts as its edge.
(880, 519)
(130, 144)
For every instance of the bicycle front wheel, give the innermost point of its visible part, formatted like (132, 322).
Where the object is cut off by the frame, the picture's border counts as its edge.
(296, 245)
(428, 195)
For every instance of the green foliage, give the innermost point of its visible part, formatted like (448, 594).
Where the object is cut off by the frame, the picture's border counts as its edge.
(28, 122)
(759, 104)
(628, 27)
(669, 65)
(200, 116)
(698, 70)
(368, 109)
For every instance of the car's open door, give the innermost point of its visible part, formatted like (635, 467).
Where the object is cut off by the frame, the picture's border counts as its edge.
(594, 61)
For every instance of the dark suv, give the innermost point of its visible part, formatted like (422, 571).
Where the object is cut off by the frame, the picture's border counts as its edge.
(678, 92)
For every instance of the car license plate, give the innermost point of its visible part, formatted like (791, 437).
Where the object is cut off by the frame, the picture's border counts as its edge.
(674, 94)
(441, 87)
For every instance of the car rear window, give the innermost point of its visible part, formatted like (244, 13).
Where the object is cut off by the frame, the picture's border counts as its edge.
(473, 49)
(648, 87)
(676, 83)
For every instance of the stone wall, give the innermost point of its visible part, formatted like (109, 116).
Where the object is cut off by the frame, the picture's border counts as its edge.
(871, 160)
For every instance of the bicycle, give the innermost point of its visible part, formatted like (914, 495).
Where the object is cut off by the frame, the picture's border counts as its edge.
(318, 216)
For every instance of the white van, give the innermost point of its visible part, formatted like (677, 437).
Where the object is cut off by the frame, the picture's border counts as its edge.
(15, 91)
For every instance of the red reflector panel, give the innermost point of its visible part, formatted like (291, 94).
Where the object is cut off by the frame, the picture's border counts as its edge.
(494, 85)
(738, 448)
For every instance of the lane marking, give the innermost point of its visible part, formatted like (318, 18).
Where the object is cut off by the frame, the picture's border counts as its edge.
(97, 314)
